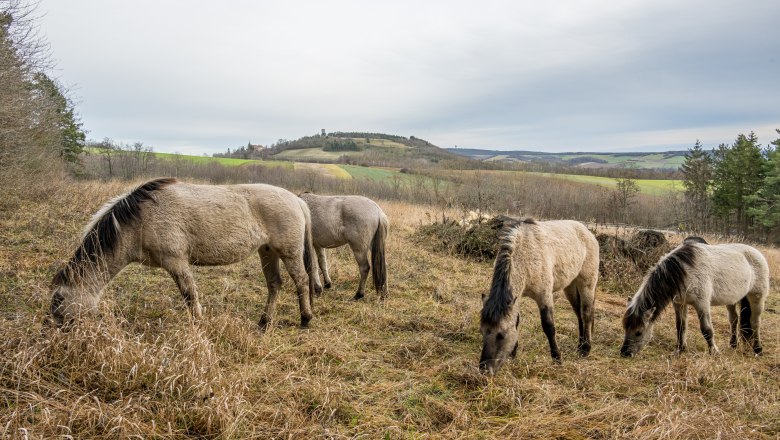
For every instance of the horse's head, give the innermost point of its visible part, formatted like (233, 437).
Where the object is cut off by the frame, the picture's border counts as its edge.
(70, 298)
(499, 339)
(638, 327)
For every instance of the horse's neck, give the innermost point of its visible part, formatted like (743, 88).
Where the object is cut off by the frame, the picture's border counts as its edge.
(95, 275)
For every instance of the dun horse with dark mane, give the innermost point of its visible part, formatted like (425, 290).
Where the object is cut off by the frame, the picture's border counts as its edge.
(702, 275)
(172, 225)
(358, 222)
(536, 259)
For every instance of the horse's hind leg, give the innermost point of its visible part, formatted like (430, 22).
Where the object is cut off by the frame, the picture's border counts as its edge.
(273, 279)
(296, 269)
(323, 261)
(545, 303)
(361, 256)
(734, 323)
(181, 273)
(583, 308)
(681, 322)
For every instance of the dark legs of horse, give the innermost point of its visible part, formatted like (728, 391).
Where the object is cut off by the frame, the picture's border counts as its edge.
(756, 307)
(181, 273)
(548, 325)
(323, 261)
(681, 321)
(705, 323)
(734, 323)
(361, 256)
(583, 308)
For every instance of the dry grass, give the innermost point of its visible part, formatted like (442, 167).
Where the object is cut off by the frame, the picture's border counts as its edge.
(402, 368)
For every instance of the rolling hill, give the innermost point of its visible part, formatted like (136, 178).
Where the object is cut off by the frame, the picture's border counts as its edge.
(642, 160)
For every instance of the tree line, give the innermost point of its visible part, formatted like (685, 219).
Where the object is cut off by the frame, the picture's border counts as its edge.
(40, 131)
(734, 188)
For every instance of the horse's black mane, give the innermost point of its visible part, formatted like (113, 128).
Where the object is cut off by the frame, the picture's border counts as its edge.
(499, 301)
(102, 238)
(695, 239)
(667, 279)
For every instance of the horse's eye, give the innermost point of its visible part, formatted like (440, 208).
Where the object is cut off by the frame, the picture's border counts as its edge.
(499, 336)
(638, 334)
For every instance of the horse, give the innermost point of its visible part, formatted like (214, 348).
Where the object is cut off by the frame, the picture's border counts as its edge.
(174, 225)
(358, 222)
(535, 259)
(702, 275)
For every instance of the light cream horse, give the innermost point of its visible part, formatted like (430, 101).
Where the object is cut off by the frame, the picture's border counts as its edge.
(702, 275)
(356, 221)
(536, 259)
(172, 225)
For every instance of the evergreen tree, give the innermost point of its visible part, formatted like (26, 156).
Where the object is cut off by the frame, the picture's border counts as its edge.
(697, 179)
(766, 202)
(738, 174)
(65, 120)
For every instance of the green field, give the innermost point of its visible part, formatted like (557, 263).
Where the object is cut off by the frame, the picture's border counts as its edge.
(318, 154)
(646, 186)
(226, 161)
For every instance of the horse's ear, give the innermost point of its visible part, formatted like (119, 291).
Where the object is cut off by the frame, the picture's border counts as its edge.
(628, 300)
(484, 296)
(511, 302)
(648, 315)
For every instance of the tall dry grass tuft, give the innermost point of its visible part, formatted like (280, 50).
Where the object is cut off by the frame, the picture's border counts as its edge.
(405, 367)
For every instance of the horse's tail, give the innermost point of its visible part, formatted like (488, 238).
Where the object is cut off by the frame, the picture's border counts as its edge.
(309, 258)
(378, 265)
(744, 318)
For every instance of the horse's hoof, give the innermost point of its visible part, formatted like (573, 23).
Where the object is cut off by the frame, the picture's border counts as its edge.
(556, 357)
(317, 290)
(733, 343)
(584, 350)
(328, 285)
(305, 323)
(358, 296)
(758, 350)
(264, 323)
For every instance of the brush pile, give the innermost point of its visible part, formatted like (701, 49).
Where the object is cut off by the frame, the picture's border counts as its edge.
(623, 261)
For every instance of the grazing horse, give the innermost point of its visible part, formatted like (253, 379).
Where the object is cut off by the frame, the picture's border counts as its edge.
(356, 221)
(536, 259)
(701, 275)
(173, 225)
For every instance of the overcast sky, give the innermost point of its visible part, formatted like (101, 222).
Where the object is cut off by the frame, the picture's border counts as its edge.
(199, 77)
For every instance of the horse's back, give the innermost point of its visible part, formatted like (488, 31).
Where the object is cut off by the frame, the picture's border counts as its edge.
(733, 270)
(338, 220)
(559, 251)
(214, 225)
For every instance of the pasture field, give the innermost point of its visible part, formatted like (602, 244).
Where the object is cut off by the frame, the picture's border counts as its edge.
(646, 186)
(325, 169)
(405, 367)
(226, 161)
(657, 187)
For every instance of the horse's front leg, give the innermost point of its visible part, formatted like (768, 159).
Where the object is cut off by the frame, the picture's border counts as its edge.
(705, 323)
(182, 274)
(545, 303)
(681, 322)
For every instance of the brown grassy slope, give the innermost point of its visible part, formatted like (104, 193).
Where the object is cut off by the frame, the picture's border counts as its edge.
(402, 368)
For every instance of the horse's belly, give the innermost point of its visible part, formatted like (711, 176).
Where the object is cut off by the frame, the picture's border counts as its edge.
(229, 247)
